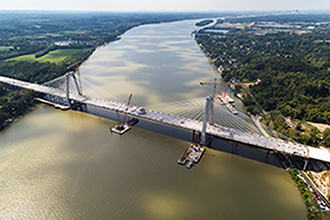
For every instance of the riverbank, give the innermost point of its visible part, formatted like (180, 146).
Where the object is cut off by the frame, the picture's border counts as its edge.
(314, 211)
(319, 126)
(16, 105)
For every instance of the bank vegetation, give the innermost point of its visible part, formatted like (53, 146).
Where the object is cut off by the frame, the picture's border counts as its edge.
(290, 54)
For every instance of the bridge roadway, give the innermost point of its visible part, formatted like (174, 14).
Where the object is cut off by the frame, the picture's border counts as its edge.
(266, 143)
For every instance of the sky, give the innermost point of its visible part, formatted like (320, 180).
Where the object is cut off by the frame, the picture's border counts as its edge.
(164, 5)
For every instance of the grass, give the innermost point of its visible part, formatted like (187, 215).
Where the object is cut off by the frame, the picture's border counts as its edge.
(53, 56)
(48, 35)
(321, 41)
(3, 48)
(72, 32)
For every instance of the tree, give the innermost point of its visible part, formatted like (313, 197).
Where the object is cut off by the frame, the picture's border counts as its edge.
(326, 133)
(326, 137)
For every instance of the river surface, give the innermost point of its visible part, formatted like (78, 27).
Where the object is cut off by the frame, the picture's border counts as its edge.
(67, 165)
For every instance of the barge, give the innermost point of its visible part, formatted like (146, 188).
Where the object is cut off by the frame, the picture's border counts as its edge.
(123, 128)
(193, 153)
(225, 96)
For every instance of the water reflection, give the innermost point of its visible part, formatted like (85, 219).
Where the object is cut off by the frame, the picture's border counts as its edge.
(163, 64)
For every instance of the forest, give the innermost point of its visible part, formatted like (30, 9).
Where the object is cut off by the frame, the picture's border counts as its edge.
(24, 33)
(290, 54)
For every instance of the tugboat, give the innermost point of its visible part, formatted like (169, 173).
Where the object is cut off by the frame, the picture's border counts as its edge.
(132, 121)
(121, 128)
(190, 164)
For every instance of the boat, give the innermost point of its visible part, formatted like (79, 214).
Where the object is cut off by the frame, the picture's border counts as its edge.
(232, 108)
(190, 164)
(225, 95)
(221, 100)
(132, 121)
(183, 158)
(124, 126)
(121, 128)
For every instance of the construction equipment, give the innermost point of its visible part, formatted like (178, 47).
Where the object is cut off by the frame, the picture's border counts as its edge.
(124, 126)
(77, 64)
(128, 102)
(121, 123)
(215, 83)
(214, 90)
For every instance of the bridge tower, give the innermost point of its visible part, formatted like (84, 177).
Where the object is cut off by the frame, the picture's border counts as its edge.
(207, 118)
(211, 110)
(67, 75)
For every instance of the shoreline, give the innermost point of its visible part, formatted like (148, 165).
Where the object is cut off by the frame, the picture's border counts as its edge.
(6, 124)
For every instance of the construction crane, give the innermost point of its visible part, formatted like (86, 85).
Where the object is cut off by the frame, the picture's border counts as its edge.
(128, 103)
(214, 90)
(124, 120)
(215, 83)
(230, 83)
(124, 125)
(246, 91)
(76, 64)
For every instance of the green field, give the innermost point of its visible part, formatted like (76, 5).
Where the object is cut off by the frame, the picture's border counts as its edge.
(3, 48)
(53, 56)
(321, 41)
(72, 32)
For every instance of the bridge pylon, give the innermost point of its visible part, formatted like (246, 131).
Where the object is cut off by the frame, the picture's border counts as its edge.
(208, 118)
(68, 75)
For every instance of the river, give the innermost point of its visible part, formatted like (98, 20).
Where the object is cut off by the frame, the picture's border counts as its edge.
(67, 165)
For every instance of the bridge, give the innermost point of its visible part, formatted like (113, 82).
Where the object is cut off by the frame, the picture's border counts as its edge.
(66, 99)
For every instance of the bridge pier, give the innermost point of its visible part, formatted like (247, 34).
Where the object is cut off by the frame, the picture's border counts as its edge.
(233, 147)
(197, 138)
(306, 163)
(266, 158)
(207, 119)
(78, 105)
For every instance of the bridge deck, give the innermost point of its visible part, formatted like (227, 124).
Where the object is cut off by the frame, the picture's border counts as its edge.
(267, 143)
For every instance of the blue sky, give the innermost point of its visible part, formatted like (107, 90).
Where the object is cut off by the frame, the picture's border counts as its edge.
(165, 5)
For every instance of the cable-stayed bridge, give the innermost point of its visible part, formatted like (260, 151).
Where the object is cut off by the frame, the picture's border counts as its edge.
(63, 97)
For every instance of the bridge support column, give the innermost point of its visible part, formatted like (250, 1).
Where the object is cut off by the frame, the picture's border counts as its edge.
(193, 137)
(266, 156)
(305, 165)
(233, 147)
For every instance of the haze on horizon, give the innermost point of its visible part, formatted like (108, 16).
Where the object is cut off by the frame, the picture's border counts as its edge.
(167, 5)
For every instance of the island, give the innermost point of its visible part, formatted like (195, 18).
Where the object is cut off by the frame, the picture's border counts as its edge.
(204, 23)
